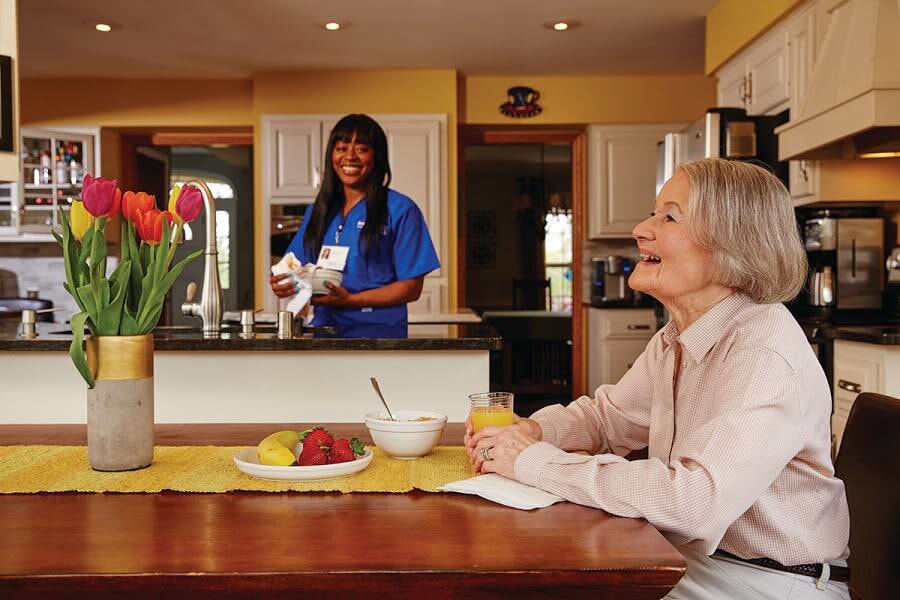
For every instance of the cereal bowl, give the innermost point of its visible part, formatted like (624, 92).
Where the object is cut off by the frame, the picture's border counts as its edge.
(413, 434)
(322, 276)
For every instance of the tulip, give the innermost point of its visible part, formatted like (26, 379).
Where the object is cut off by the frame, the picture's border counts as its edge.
(173, 199)
(117, 201)
(189, 203)
(149, 225)
(81, 220)
(98, 195)
(133, 202)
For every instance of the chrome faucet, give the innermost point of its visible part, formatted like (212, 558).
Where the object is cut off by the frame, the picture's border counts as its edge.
(211, 304)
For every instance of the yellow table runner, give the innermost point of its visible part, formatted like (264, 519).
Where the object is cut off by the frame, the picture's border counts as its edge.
(29, 469)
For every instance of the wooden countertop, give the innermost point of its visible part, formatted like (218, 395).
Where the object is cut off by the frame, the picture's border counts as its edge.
(364, 544)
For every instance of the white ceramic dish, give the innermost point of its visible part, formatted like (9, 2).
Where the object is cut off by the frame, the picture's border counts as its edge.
(247, 462)
(407, 437)
(322, 276)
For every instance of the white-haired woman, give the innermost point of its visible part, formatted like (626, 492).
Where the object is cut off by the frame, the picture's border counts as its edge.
(728, 398)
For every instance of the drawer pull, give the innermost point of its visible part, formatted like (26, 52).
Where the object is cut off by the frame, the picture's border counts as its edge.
(849, 386)
(633, 327)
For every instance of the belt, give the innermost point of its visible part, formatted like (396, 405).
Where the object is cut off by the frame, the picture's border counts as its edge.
(814, 570)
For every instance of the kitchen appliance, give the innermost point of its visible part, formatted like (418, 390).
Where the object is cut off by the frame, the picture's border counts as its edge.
(845, 259)
(723, 133)
(609, 281)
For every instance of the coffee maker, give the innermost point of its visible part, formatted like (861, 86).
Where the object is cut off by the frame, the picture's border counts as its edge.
(609, 281)
(845, 260)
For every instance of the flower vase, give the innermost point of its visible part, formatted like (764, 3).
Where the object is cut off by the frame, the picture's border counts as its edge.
(120, 405)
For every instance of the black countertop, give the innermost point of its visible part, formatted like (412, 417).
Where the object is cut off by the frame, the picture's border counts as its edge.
(467, 336)
(868, 328)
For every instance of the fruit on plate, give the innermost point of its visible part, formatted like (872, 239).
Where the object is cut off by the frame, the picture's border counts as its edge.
(317, 436)
(345, 450)
(277, 449)
(320, 448)
(312, 456)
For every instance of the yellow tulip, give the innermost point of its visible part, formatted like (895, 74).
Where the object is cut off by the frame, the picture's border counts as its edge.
(81, 219)
(173, 198)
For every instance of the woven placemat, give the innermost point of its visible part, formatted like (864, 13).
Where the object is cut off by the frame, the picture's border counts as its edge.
(31, 469)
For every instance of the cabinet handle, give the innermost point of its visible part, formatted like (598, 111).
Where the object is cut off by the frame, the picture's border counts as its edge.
(849, 386)
(749, 88)
(803, 171)
(742, 90)
(633, 327)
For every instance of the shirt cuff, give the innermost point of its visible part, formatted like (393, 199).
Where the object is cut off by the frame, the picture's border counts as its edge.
(531, 462)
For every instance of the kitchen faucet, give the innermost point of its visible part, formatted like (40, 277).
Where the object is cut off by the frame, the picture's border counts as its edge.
(210, 307)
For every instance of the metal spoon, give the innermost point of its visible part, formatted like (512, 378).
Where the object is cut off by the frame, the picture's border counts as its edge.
(378, 391)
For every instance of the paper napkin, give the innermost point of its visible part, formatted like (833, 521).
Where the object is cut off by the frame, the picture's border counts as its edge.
(501, 490)
(302, 278)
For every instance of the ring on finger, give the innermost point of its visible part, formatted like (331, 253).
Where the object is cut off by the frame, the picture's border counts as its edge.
(486, 453)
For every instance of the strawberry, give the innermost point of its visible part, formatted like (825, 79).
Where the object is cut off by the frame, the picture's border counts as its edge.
(318, 437)
(312, 455)
(341, 451)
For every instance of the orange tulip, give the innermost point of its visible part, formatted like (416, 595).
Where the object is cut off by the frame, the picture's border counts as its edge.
(149, 224)
(133, 202)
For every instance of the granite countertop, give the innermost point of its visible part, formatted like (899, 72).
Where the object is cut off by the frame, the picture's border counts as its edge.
(468, 336)
(872, 329)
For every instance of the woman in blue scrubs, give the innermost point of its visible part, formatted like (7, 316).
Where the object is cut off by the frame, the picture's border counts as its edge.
(390, 249)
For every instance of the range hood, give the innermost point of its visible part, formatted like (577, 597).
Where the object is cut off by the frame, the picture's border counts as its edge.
(852, 106)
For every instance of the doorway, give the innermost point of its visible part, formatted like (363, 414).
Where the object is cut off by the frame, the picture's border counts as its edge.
(520, 222)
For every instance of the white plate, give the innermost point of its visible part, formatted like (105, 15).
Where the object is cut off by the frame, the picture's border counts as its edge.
(248, 462)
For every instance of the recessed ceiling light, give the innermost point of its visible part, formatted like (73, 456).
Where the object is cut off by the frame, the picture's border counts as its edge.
(332, 26)
(104, 27)
(562, 25)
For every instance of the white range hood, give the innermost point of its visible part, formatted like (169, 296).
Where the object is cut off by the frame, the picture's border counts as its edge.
(852, 107)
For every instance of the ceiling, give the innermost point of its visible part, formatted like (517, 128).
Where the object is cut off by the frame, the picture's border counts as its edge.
(236, 38)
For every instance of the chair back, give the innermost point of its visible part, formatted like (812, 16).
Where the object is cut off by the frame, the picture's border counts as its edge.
(531, 294)
(869, 464)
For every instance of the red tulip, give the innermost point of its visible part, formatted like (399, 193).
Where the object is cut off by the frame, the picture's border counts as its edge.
(117, 200)
(149, 224)
(133, 202)
(98, 195)
(189, 203)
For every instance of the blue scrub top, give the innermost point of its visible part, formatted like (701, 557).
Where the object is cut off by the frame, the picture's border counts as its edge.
(404, 251)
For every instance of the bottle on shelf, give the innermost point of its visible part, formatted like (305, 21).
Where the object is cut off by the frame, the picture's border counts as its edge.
(74, 172)
(45, 167)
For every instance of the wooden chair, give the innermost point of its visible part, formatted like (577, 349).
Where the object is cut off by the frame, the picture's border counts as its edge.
(531, 294)
(869, 464)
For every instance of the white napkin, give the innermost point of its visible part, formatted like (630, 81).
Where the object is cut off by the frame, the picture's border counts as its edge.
(302, 276)
(501, 490)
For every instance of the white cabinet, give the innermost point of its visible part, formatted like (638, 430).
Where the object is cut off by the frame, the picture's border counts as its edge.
(622, 176)
(758, 78)
(616, 337)
(293, 159)
(802, 36)
(733, 85)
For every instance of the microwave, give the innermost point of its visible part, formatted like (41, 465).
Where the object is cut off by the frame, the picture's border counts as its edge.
(723, 133)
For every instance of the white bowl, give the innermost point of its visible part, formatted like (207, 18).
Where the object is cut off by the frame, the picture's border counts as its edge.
(407, 437)
(322, 276)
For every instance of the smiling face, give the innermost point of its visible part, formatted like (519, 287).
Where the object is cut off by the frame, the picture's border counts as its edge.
(673, 267)
(353, 162)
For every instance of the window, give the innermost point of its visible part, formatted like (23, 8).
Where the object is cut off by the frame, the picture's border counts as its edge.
(558, 258)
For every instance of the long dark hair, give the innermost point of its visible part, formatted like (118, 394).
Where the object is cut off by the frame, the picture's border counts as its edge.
(330, 199)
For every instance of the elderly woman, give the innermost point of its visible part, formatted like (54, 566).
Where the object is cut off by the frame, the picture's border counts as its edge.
(728, 398)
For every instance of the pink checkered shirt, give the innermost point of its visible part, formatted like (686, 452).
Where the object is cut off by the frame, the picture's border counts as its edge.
(739, 452)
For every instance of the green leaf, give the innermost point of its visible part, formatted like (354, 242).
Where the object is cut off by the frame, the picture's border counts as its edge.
(76, 349)
(137, 269)
(111, 315)
(86, 242)
(358, 447)
(128, 326)
(85, 292)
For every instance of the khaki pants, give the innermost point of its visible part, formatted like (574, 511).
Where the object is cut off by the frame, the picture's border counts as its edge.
(715, 578)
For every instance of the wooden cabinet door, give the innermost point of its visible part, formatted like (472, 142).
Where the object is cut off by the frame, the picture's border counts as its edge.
(768, 74)
(732, 85)
(622, 163)
(292, 156)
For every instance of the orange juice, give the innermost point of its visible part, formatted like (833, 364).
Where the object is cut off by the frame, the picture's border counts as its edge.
(487, 416)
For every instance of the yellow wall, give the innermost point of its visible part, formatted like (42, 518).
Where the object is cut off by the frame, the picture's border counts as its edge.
(595, 99)
(341, 92)
(137, 102)
(9, 46)
(732, 24)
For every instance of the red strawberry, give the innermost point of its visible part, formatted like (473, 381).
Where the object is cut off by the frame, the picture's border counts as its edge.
(319, 437)
(311, 456)
(341, 451)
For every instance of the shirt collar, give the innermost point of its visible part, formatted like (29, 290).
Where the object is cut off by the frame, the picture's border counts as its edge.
(703, 333)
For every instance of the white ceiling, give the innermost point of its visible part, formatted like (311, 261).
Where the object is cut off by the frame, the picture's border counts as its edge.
(236, 38)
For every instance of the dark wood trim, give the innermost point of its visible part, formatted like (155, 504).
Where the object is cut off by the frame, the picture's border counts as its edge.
(202, 139)
(128, 148)
(579, 216)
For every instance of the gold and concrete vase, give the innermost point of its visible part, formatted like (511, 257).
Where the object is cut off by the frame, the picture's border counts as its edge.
(120, 405)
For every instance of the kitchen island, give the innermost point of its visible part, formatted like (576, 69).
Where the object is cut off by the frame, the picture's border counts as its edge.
(235, 377)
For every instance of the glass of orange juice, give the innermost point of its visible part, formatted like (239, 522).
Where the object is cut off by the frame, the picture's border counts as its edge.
(491, 409)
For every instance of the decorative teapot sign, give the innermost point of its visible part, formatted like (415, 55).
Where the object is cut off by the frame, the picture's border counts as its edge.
(521, 102)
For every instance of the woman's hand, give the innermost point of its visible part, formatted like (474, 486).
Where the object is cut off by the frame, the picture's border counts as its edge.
(337, 296)
(505, 443)
(283, 285)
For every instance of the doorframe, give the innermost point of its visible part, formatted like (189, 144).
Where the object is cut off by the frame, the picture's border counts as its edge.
(576, 136)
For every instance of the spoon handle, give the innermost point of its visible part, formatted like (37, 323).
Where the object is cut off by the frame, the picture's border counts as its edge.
(380, 395)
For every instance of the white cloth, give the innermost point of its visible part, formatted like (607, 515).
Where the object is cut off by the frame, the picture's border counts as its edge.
(501, 490)
(302, 275)
(714, 578)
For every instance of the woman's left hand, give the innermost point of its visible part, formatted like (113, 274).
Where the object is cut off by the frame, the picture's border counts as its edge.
(505, 443)
(337, 296)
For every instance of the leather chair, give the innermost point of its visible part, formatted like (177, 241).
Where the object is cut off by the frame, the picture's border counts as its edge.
(869, 464)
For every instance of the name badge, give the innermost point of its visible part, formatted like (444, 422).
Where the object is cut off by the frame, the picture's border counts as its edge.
(333, 257)
(360, 224)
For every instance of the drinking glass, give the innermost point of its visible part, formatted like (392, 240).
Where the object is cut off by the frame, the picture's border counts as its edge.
(491, 409)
